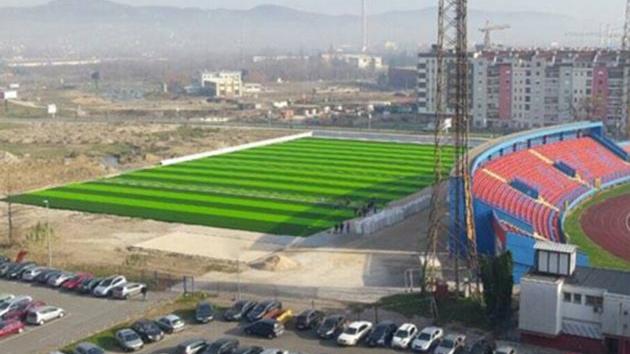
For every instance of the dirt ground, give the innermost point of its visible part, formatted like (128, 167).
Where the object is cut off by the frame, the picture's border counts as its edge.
(39, 155)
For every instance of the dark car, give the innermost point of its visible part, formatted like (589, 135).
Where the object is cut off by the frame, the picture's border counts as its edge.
(88, 348)
(309, 319)
(5, 267)
(331, 326)
(148, 330)
(16, 271)
(87, 286)
(43, 277)
(250, 350)
(262, 309)
(239, 310)
(482, 346)
(382, 334)
(222, 346)
(204, 312)
(266, 328)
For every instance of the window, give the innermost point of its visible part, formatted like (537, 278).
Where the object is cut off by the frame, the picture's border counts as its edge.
(577, 298)
(595, 301)
(567, 297)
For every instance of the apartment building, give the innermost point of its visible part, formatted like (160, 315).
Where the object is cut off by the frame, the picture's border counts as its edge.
(523, 89)
(221, 84)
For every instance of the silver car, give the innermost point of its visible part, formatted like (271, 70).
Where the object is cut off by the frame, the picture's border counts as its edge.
(40, 315)
(14, 303)
(128, 290)
(129, 340)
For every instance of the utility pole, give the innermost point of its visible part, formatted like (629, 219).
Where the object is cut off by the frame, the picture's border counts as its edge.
(451, 107)
(48, 233)
(364, 26)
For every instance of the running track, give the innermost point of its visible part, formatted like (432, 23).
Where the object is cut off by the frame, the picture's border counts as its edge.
(608, 225)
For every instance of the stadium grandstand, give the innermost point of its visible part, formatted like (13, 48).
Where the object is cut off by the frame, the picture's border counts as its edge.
(524, 184)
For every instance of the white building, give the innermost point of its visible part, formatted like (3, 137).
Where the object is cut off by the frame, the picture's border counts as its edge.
(223, 83)
(8, 94)
(360, 61)
(574, 308)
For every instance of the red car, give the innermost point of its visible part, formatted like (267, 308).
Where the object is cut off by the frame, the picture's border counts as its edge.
(75, 282)
(20, 312)
(10, 327)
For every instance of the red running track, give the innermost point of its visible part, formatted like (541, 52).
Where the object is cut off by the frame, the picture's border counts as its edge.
(608, 225)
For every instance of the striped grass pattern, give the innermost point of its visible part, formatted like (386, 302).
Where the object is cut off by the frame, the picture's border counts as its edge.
(296, 188)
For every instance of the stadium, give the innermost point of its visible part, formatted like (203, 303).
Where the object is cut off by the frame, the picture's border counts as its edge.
(558, 184)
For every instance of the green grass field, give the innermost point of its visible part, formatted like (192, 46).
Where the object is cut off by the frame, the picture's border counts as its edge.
(296, 188)
(598, 256)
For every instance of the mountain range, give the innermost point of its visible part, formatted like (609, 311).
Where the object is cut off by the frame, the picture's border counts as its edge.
(103, 27)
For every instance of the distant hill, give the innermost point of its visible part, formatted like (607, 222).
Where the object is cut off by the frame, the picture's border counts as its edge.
(102, 27)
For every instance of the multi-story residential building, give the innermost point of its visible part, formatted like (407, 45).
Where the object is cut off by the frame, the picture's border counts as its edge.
(522, 89)
(222, 83)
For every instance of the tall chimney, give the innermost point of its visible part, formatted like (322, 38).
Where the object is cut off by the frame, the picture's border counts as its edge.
(364, 26)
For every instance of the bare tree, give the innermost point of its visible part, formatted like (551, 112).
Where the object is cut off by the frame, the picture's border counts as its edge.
(8, 190)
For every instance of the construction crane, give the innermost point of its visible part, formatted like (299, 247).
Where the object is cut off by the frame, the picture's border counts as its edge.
(487, 31)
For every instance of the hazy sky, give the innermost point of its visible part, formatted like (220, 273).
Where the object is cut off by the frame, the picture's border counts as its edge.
(610, 11)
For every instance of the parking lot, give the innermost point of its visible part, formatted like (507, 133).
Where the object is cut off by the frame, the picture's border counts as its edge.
(84, 316)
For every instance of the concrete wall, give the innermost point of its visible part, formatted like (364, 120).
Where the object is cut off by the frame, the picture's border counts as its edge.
(235, 148)
(540, 306)
(616, 321)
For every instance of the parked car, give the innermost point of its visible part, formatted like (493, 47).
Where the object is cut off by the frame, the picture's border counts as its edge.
(42, 278)
(331, 326)
(354, 333)
(5, 267)
(6, 297)
(16, 271)
(239, 310)
(451, 344)
(148, 330)
(29, 275)
(191, 346)
(129, 340)
(266, 328)
(262, 309)
(204, 312)
(128, 290)
(222, 346)
(382, 334)
(88, 348)
(76, 281)
(10, 327)
(276, 351)
(171, 324)
(58, 279)
(21, 310)
(404, 335)
(14, 303)
(88, 286)
(105, 287)
(483, 346)
(4, 259)
(309, 319)
(282, 316)
(427, 340)
(505, 350)
(250, 350)
(40, 315)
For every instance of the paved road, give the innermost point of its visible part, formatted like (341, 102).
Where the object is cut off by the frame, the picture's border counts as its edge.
(85, 316)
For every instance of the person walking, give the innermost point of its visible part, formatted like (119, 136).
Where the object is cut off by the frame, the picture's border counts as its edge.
(144, 293)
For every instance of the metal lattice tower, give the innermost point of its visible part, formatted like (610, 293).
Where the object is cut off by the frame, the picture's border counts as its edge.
(451, 104)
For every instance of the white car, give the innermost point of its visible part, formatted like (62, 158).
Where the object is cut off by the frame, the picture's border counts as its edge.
(275, 351)
(450, 344)
(354, 333)
(106, 286)
(58, 279)
(6, 297)
(31, 274)
(427, 339)
(505, 350)
(14, 303)
(404, 335)
(40, 315)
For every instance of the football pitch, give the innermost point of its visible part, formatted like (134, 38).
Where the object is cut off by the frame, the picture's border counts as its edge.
(296, 188)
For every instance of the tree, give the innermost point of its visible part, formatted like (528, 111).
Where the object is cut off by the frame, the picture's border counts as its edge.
(496, 275)
(8, 189)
